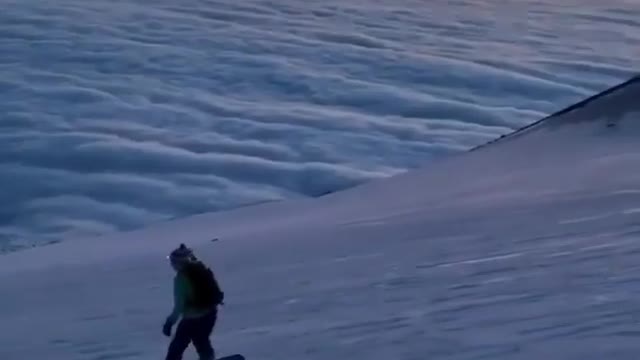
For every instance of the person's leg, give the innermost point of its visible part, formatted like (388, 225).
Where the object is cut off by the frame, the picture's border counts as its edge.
(180, 341)
(202, 331)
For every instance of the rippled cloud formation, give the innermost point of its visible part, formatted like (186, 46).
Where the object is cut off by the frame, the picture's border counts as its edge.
(118, 114)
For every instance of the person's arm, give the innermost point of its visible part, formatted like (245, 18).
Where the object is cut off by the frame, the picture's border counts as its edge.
(179, 292)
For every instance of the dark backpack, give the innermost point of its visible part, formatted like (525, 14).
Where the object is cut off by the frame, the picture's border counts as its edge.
(206, 290)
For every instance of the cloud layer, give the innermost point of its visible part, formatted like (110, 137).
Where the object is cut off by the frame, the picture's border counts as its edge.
(117, 114)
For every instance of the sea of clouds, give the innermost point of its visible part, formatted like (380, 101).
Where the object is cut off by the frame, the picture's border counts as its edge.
(115, 114)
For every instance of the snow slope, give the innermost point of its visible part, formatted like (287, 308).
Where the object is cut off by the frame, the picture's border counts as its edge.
(150, 110)
(522, 249)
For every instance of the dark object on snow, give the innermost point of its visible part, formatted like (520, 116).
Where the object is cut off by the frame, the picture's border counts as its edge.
(232, 357)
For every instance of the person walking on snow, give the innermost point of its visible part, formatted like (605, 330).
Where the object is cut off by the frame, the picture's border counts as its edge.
(196, 295)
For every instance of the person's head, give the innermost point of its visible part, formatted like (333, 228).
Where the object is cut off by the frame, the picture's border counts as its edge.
(181, 256)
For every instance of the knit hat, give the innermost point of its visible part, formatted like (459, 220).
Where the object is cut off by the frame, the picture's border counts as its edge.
(181, 254)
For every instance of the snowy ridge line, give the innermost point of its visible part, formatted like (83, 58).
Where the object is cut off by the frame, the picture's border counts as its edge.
(633, 80)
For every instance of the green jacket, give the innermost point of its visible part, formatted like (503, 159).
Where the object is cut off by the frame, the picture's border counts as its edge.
(182, 292)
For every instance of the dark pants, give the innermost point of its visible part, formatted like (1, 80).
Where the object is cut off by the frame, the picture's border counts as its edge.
(198, 331)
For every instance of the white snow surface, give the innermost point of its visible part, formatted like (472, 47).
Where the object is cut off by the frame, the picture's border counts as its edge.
(526, 248)
(117, 114)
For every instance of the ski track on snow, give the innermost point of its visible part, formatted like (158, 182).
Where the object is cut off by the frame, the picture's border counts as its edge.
(144, 111)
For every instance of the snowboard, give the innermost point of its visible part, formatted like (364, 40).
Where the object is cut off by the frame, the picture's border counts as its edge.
(232, 357)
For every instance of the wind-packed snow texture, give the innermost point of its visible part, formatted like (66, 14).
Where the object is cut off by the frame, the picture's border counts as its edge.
(119, 114)
(523, 249)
